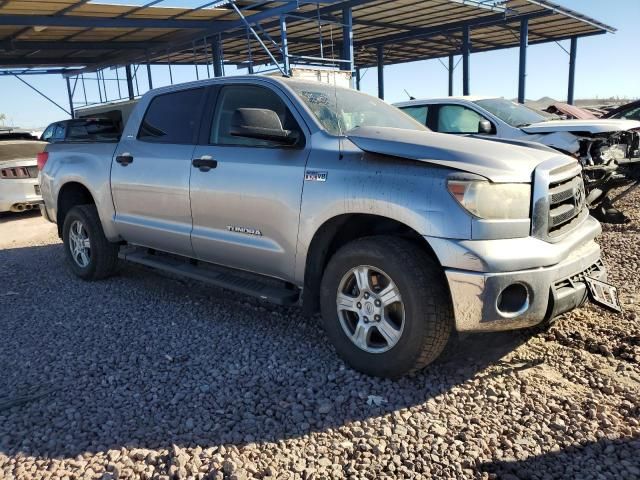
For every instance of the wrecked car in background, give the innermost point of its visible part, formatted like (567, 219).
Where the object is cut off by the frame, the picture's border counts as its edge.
(601, 145)
(569, 112)
(629, 111)
(19, 190)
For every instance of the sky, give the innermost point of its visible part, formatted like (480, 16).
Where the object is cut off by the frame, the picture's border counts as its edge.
(606, 66)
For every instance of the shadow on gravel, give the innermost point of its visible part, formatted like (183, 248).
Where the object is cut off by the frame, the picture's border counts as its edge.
(8, 217)
(580, 461)
(145, 361)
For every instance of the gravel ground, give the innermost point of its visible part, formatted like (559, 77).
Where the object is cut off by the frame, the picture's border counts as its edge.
(148, 376)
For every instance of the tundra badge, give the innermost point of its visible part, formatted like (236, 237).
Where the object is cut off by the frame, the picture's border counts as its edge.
(247, 230)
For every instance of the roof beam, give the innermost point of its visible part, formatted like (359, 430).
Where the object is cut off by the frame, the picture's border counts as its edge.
(36, 71)
(9, 46)
(102, 22)
(485, 21)
(44, 62)
(214, 28)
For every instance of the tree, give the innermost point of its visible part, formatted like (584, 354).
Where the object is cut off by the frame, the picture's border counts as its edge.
(3, 117)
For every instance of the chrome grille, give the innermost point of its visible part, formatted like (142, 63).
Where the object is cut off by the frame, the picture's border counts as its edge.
(566, 204)
(559, 199)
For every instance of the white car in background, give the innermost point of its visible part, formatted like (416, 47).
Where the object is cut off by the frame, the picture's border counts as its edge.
(19, 189)
(606, 148)
(593, 142)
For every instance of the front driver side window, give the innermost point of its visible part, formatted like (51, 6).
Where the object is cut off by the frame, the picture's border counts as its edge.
(458, 119)
(233, 97)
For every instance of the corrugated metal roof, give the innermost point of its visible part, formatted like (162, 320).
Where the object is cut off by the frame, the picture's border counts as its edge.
(67, 33)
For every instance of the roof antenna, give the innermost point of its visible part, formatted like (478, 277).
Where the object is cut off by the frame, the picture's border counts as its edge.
(411, 97)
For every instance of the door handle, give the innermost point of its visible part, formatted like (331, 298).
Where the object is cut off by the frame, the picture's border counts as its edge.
(124, 159)
(204, 163)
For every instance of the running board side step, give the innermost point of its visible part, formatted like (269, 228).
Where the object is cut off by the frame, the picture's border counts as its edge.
(241, 282)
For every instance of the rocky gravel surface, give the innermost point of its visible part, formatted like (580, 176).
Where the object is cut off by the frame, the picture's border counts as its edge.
(152, 377)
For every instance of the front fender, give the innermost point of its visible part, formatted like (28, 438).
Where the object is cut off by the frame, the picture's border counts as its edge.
(408, 192)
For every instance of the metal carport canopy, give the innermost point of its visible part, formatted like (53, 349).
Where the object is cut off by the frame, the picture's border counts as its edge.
(58, 35)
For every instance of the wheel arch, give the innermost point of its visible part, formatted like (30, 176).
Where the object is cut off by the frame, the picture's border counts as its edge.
(337, 232)
(71, 194)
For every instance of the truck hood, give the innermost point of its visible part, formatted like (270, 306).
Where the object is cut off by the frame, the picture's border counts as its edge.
(495, 161)
(591, 126)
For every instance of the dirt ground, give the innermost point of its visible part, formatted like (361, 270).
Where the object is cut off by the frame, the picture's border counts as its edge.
(148, 376)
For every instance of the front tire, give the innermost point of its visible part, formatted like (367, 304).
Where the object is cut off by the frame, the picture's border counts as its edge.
(91, 256)
(385, 306)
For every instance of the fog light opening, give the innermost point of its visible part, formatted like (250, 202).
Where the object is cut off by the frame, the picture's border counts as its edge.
(513, 300)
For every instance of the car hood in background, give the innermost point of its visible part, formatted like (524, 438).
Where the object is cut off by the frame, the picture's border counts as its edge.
(591, 126)
(499, 162)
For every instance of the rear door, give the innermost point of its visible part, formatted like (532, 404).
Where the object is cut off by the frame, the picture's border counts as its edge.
(246, 208)
(150, 173)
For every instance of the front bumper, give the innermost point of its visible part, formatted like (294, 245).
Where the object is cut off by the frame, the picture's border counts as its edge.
(550, 291)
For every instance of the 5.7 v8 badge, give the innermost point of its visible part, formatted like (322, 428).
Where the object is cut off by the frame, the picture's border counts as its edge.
(315, 176)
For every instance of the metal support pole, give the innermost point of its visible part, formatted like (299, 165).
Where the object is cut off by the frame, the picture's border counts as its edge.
(358, 78)
(127, 70)
(380, 55)
(572, 69)
(451, 68)
(70, 97)
(284, 47)
(41, 94)
(84, 90)
(250, 53)
(99, 88)
(205, 44)
(522, 71)
(257, 37)
(347, 39)
(118, 84)
(195, 61)
(217, 59)
(149, 79)
(135, 77)
(104, 86)
(466, 49)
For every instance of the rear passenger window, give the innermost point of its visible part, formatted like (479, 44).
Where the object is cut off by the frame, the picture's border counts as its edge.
(173, 117)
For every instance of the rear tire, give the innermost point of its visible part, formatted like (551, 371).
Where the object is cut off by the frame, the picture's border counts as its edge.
(91, 256)
(400, 320)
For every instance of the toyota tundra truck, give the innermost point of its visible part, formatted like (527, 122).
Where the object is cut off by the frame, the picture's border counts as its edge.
(305, 193)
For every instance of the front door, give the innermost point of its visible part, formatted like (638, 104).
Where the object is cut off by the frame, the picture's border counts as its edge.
(246, 202)
(150, 173)
(456, 119)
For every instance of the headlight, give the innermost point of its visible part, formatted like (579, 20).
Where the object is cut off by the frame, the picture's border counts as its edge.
(493, 201)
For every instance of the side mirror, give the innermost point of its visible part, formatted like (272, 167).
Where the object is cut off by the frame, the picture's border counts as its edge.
(484, 126)
(262, 124)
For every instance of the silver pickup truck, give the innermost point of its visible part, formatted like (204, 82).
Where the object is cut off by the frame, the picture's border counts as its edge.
(304, 193)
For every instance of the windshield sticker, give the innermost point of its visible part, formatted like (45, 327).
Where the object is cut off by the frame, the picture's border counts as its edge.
(316, 98)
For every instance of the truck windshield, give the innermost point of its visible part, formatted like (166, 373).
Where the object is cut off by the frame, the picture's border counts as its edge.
(510, 112)
(340, 109)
